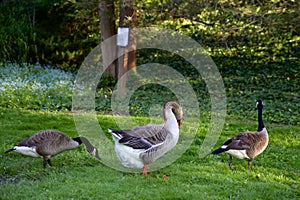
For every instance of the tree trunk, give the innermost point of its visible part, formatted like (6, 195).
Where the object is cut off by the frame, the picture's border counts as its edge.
(108, 29)
(128, 59)
(128, 18)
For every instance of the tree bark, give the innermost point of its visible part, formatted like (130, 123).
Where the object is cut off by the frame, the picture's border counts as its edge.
(128, 18)
(108, 29)
(127, 59)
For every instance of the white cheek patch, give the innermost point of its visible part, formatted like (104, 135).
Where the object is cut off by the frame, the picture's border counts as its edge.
(94, 153)
(27, 151)
(241, 154)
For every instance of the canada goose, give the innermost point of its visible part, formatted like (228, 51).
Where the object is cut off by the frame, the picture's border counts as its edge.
(247, 144)
(47, 143)
(142, 145)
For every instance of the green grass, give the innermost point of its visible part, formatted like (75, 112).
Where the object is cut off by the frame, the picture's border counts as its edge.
(275, 174)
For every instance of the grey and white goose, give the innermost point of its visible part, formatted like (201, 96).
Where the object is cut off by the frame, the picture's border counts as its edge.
(142, 145)
(47, 143)
(247, 144)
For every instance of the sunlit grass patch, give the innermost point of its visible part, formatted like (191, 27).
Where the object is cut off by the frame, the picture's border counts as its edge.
(76, 174)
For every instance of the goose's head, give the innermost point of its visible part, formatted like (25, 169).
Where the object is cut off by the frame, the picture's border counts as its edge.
(176, 109)
(259, 104)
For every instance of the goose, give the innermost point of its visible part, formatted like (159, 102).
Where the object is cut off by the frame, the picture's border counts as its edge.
(247, 144)
(142, 145)
(47, 143)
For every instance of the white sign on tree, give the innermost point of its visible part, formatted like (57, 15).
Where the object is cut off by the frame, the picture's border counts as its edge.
(123, 36)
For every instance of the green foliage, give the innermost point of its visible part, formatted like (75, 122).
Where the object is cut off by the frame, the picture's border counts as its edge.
(276, 84)
(55, 32)
(69, 33)
(62, 33)
(251, 31)
(39, 88)
(77, 175)
(17, 37)
(35, 87)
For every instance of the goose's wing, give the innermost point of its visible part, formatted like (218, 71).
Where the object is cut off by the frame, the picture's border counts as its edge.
(135, 142)
(146, 130)
(241, 141)
(141, 137)
(154, 133)
(130, 140)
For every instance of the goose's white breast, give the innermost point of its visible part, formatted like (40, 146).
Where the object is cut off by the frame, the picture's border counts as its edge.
(128, 156)
(241, 154)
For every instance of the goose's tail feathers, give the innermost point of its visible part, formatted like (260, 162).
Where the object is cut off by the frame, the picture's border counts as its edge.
(115, 133)
(10, 150)
(219, 150)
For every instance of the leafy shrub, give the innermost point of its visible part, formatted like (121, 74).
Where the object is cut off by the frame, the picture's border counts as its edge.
(35, 87)
(45, 88)
(58, 33)
(61, 33)
(17, 38)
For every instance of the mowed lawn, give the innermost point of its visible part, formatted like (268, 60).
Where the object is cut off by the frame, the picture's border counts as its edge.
(275, 174)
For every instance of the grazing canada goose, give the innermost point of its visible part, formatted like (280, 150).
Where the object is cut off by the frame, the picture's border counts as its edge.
(47, 143)
(142, 145)
(247, 144)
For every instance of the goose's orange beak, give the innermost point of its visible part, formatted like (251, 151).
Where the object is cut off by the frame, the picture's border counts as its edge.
(179, 122)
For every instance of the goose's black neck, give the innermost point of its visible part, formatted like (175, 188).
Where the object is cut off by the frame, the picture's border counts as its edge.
(90, 148)
(78, 139)
(260, 120)
(85, 141)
